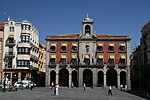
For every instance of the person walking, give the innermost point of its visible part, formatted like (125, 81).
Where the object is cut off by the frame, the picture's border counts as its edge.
(72, 85)
(110, 91)
(52, 85)
(84, 86)
(57, 86)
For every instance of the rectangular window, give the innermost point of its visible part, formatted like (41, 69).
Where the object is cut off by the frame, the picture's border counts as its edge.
(23, 63)
(25, 39)
(22, 50)
(11, 29)
(52, 61)
(100, 48)
(52, 48)
(111, 62)
(100, 61)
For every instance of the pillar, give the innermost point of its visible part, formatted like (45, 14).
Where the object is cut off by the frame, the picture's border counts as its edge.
(105, 66)
(57, 77)
(70, 79)
(118, 78)
(11, 78)
(80, 77)
(19, 76)
(105, 85)
(94, 77)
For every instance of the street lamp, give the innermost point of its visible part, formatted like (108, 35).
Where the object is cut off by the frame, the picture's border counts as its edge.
(6, 62)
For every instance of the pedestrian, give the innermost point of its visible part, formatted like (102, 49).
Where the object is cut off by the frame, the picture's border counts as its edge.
(54, 90)
(72, 85)
(110, 91)
(84, 86)
(121, 87)
(31, 87)
(126, 87)
(52, 85)
(57, 86)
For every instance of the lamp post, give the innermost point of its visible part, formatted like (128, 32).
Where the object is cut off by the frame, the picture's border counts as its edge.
(4, 83)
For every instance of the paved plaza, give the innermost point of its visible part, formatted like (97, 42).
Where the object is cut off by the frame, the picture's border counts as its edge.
(45, 93)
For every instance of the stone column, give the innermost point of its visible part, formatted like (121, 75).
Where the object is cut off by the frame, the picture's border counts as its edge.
(128, 66)
(94, 77)
(118, 78)
(11, 78)
(70, 79)
(0, 76)
(57, 77)
(105, 66)
(80, 77)
(105, 85)
(19, 76)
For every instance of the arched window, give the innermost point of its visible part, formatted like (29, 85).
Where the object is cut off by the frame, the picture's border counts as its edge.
(87, 30)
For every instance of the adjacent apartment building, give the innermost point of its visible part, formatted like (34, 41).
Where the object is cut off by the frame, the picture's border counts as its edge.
(1, 48)
(87, 57)
(41, 65)
(20, 51)
(140, 66)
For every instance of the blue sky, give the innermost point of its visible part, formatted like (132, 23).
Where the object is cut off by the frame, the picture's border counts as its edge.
(56, 17)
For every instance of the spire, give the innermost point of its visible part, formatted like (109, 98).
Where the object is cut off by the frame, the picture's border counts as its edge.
(87, 16)
(9, 18)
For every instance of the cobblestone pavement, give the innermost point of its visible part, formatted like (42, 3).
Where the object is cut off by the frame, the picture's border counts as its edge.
(45, 93)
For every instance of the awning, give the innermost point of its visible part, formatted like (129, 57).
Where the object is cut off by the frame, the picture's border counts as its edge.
(63, 56)
(74, 56)
(111, 57)
(111, 44)
(122, 44)
(11, 36)
(123, 56)
(74, 44)
(87, 56)
(63, 44)
(100, 56)
(100, 44)
(53, 56)
(53, 44)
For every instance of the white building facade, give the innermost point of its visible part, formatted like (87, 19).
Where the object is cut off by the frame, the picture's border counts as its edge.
(21, 50)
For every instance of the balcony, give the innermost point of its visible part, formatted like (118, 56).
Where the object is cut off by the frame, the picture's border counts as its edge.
(100, 49)
(52, 50)
(73, 64)
(122, 49)
(74, 50)
(122, 65)
(34, 57)
(63, 64)
(10, 43)
(100, 64)
(10, 67)
(33, 68)
(52, 64)
(111, 65)
(9, 54)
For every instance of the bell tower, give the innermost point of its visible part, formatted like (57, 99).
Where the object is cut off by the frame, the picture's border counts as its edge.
(87, 26)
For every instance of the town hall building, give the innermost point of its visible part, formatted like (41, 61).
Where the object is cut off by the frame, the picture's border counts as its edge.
(98, 60)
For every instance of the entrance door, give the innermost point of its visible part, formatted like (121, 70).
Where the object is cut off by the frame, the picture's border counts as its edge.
(111, 77)
(88, 77)
(75, 78)
(63, 77)
(123, 78)
(52, 77)
(100, 82)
